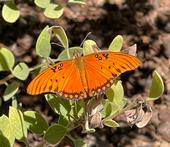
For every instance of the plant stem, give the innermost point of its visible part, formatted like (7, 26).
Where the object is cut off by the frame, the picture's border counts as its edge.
(128, 107)
(68, 53)
(70, 137)
(10, 76)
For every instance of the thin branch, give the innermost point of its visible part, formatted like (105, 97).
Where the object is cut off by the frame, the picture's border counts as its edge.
(130, 106)
(4, 80)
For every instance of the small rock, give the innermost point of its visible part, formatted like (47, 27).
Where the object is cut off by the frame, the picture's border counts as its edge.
(164, 130)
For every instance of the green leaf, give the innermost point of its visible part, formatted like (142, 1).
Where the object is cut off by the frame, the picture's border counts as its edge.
(116, 44)
(79, 143)
(116, 92)
(8, 9)
(61, 35)
(6, 132)
(63, 55)
(111, 108)
(78, 108)
(35, 122)
(54, 103)
(157, 87)
(55, 134)
(110, 123)
(69, 110)
(60, 106)
(108, 108)
(17, 124)
(6, 59)
(42, 3)
(89, 47)
(43, 46)
(53, 11)
(116, 95)
(10, 91)
(21, 71)
(62, 120)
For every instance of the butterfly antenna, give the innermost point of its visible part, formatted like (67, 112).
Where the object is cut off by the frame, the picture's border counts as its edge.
(57, 44)
(85, 38)
(50, 61)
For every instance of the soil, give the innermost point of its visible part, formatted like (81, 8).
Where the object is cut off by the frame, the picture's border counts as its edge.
(142, 22)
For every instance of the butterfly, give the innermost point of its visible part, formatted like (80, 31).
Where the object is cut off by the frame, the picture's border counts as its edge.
(83, 76)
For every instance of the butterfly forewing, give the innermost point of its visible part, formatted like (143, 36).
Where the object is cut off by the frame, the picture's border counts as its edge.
(51, 79)
(102, 68)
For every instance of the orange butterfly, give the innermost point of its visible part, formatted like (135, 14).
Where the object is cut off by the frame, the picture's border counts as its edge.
(84, 76)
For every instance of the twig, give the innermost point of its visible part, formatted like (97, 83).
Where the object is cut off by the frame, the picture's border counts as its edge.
(10, 76)
(130, 106)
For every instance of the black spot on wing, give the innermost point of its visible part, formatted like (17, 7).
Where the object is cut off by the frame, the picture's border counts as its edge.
(102, 88)
(118, 70)
(98, 56)
(114, 75)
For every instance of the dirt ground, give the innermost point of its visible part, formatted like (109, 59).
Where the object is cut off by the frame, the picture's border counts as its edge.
(144, 22)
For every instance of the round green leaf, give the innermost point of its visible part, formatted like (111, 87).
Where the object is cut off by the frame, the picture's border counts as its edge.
(62, 120)
(6, 59)
(60, 106)
(79, 143)
(61, 35)
(53, 11)
(89, 47)
(21, 71)
(43, 46)
(55, 134)
(42, 3)
(17, 124)
(108, 108)
(116, 93)
(53, 102)
(10, 91)
(6, 132)
(116, 44)
(110, 123)
(35, 122)
(64, 56)
(157, 87)
(10, 12)
(116, 96)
